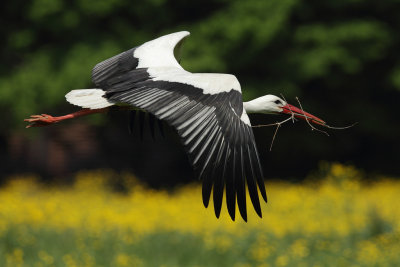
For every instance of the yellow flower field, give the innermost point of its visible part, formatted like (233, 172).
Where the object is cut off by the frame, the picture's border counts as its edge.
(338, 221)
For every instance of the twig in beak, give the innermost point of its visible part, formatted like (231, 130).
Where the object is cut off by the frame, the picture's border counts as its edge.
(307, 120)
(272, 124)
(273, 137)
(340, 128)
(291, 112)
(278, 124)
(293, 118)
(325, 125)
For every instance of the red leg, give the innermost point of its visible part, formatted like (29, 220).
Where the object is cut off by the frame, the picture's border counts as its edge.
(44, 119)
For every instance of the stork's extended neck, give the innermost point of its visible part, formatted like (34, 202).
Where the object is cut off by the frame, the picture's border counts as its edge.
(248, 107)
(254, 106)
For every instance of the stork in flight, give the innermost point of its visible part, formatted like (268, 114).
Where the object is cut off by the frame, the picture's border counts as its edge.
(206, 109)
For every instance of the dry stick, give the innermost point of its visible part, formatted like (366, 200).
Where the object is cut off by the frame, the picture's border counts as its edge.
(272, 124)
(291, 112)
(307, 120)
(273, 137)
(325, 125)
(340, 128)
(278, 124)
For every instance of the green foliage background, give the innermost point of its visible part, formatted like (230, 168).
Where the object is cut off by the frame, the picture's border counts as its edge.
(340, 57)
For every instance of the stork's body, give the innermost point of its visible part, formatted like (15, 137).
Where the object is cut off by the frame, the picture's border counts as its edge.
(206, 110)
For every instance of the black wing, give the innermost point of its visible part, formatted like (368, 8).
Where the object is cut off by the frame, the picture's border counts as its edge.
(113, 67)
(221, 146)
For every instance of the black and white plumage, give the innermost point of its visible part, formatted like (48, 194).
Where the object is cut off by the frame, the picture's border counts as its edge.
(206, 110)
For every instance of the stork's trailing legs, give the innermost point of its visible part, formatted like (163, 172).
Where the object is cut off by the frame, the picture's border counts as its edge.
(45, 120)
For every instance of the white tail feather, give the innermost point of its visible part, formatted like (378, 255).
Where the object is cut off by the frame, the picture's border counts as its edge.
(88, 98)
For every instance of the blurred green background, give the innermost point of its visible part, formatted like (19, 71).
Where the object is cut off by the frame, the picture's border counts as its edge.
(341, 58)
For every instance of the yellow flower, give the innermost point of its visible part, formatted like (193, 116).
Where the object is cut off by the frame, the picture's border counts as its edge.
(48, 259)
(122, 260)
(299, 248)
(368, 252)
(15, 259)
(282, 260)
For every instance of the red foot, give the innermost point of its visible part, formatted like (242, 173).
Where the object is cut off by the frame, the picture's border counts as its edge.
(40, 120)
(44, 119)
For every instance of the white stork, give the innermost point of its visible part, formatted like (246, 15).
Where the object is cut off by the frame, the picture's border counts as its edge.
(206, 109)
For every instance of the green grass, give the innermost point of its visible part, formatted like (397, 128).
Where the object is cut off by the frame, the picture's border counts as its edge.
(26, 246)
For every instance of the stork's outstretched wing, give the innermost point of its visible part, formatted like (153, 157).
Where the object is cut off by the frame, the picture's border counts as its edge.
(205, 109)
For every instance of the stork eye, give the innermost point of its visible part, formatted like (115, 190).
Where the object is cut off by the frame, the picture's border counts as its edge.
(277, 102)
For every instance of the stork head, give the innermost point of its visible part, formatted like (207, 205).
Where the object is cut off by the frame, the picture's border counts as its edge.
(271, 104)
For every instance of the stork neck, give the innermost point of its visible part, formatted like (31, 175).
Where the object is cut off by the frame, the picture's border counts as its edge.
(252, 106)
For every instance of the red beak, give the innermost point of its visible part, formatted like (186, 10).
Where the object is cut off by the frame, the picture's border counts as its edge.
(298, 113)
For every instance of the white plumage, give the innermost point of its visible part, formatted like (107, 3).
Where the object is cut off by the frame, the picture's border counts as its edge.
(160, 52)
(88, 98)
(210, 83)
